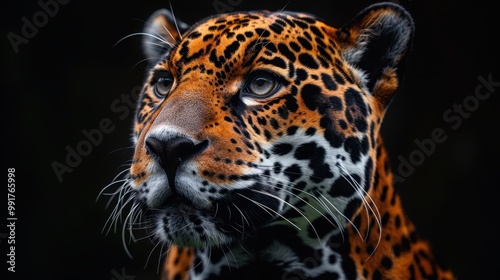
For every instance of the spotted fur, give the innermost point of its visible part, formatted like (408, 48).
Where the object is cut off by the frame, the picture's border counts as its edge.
(258, 153)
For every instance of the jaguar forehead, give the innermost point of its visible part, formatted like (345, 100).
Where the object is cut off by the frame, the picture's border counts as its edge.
(231, 41)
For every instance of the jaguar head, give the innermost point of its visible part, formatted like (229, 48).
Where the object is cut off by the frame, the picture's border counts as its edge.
(255, 118)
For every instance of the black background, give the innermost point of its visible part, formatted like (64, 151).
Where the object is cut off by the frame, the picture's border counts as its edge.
(69, 76)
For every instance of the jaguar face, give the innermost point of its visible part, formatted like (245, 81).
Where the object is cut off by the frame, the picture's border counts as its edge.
(251, 119)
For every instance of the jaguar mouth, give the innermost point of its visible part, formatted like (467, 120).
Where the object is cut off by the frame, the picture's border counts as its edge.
(181, 203)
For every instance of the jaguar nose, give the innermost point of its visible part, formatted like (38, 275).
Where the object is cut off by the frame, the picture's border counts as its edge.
(170, 153)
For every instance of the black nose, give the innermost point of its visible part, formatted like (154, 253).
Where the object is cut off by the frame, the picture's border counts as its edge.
(170, 153)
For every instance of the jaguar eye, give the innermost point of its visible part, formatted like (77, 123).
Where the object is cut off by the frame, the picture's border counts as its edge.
(261, 84)
(163, 85)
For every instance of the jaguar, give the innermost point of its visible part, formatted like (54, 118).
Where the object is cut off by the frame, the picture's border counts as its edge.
(258, 152)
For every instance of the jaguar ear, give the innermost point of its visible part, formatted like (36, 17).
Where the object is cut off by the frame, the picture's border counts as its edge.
(377, 42)
(162, 31)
